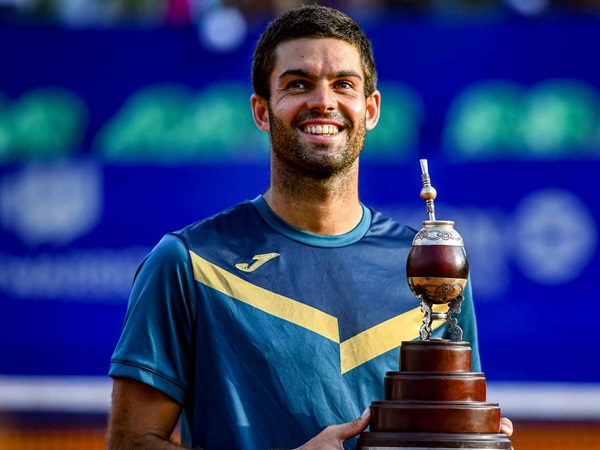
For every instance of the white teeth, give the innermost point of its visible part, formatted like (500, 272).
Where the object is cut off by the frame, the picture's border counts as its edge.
(321, 129)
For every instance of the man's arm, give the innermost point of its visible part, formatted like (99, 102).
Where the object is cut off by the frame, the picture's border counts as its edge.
(141, 417)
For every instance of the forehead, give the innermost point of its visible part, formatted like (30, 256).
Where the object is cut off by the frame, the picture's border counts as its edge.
(320, 56)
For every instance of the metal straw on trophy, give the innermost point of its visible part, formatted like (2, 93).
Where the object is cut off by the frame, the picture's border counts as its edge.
(434, 401)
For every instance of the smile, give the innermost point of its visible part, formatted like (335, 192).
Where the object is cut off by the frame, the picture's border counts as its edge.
(321, 129)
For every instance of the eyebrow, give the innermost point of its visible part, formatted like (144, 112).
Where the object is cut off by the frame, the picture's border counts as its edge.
(305, 74)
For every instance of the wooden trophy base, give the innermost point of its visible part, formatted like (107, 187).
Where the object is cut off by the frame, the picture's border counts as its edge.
(434, 402)
(430, 441)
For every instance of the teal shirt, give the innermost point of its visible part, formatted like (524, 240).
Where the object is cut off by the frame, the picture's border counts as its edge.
(266, 334)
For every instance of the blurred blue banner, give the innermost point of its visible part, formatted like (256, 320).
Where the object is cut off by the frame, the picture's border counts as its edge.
(111, 138)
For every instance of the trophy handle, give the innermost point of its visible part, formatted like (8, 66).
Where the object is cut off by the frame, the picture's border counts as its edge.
(455, 332)
(425, 330)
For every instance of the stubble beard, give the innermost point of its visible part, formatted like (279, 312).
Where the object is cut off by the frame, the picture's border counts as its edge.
(319, 162)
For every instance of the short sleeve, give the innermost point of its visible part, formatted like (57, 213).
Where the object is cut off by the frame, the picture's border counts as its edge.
(155, 346)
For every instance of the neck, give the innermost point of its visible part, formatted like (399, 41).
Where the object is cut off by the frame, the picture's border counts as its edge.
(327, 206)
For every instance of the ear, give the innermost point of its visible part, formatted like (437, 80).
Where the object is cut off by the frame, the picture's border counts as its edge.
(373, 109)
(260, 112)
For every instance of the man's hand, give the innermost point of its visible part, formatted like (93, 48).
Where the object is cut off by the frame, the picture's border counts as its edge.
(333, 437)
(506, 426)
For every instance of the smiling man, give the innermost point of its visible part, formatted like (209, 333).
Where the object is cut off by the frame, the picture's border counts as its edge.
(271, 324)
(317, 113)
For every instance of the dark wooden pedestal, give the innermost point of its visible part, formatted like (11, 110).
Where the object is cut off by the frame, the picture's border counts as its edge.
(434, 402)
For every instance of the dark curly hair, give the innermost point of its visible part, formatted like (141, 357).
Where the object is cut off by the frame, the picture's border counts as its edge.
(312, 21)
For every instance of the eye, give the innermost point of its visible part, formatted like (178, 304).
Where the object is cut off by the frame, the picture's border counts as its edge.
(344, 84)
(296, 84)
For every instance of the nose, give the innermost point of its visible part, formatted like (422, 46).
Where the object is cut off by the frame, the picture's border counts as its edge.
(322, 98)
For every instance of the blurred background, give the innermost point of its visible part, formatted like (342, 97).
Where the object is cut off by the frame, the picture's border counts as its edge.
(121, 120)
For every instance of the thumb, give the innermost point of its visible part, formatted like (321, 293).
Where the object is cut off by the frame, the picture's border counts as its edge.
(350, 429)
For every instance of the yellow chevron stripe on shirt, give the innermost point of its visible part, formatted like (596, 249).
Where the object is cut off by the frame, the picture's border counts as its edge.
(353, 352)
(277, 305)
(382, 338)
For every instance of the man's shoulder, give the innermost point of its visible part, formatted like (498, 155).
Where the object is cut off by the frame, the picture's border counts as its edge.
(383, 225)
(233, 217)
(222, 232)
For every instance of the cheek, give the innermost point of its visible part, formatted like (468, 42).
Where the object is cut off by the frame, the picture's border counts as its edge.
(287, 107)
(357, 110)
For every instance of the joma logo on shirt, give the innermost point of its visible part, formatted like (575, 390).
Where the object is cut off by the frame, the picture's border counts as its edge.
(259, 260)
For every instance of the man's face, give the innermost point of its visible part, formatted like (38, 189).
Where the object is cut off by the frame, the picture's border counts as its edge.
(318, 115)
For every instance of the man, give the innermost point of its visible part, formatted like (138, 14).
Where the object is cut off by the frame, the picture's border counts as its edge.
(264, 325)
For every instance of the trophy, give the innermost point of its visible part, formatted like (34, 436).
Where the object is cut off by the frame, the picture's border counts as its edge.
(434, 401)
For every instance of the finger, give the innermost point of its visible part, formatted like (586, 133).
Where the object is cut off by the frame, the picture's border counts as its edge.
(506, 426)
(350, 429)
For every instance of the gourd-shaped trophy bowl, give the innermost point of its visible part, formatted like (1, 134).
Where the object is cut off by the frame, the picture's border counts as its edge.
(434, 401)
(437, 267)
